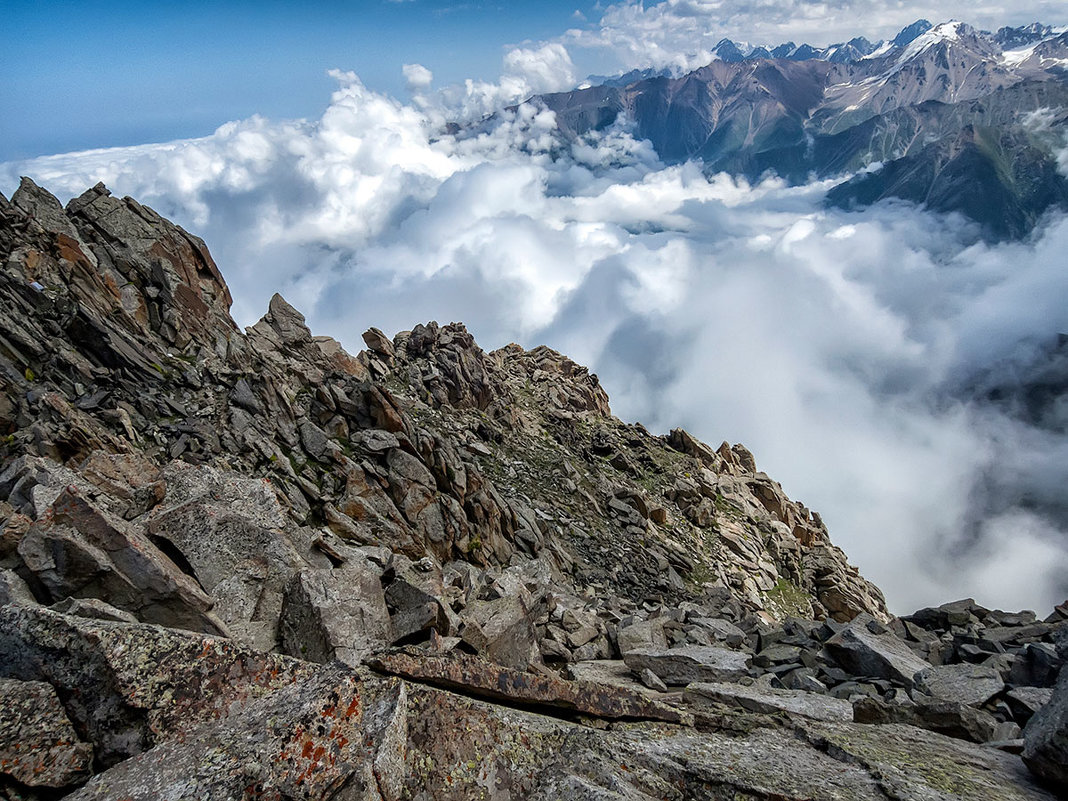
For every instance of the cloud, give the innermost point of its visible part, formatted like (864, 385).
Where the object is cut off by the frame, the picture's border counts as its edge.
(853, 352)
(417, 77)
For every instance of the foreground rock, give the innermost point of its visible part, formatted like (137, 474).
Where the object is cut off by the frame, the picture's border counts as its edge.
(1046, 738)
(768, 700)
(38, 744)
(680, 666)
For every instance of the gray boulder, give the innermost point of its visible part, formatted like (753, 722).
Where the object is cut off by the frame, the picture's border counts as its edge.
(38, 744)
(679, 666)
(863, 652)
(972, 685)
(339, 613)
(769, 700)
(1046, 738)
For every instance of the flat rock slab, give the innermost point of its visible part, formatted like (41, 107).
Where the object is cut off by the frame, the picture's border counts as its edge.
(916, 764)
(38, 744)
(864, 653)
(972, 685)
(951, 718)
(769, 701)
(471, 675)
(680, 666)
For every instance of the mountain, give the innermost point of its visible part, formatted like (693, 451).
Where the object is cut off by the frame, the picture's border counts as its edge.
(248, 564)
(948, 112)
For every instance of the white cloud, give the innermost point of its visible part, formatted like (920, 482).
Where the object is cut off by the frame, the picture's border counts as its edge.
(837, 346)
(417, 77)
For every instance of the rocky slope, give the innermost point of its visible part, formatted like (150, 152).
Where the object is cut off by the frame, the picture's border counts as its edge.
(251, 565)
(950, 113)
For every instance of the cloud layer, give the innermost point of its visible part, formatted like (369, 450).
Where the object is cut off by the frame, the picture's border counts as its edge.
(843, 348)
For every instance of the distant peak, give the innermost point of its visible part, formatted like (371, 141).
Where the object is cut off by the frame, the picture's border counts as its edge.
(910, 32)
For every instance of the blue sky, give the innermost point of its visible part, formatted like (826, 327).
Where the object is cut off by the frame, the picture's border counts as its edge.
(98, 74)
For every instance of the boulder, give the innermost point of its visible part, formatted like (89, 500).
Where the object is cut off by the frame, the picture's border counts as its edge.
(1046, 738)
(38, 744)
(127, 686)
(335, 614)
(769, 701)
(680, 666)
(861, 651)
(471, 675)
(972, 685)
(949, 718)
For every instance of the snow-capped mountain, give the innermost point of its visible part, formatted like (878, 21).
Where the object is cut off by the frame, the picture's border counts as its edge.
(960, 119)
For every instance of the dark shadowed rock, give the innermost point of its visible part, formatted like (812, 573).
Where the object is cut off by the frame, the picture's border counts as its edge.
(1046, 738)
(972, 685)
(950, 718)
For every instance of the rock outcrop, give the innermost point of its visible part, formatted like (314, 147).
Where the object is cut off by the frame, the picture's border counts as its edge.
(252, 565)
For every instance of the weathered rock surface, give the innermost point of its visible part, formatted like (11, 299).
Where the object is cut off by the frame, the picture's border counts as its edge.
(38, 744)
(769, 700)
(866, 653)
(1046, 738)
(689, 663)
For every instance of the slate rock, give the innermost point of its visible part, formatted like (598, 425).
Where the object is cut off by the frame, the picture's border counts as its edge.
(949, 718)
(680, 666)
(335, 614)
(768, 700)
(972, 685)
(864, 653)
(1046, 738)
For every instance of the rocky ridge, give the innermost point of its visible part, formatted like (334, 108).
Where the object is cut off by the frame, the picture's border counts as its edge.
(251, 565)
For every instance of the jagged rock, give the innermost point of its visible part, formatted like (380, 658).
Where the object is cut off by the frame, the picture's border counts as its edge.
(502, 631)
(652, 681)
(950, 718)
(769, 700)
(126, 687)
(1046, 738)
(335, 614)
(92, 609)
(470, 675)
(642, 634)
(1026, 701)
(972, 685)
(858, 649)
(76, 549)
(689, 664)
(331, 733)
(38, 744)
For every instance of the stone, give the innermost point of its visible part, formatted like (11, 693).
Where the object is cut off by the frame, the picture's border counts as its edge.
(770, 701)
(1046, 738)
(506, 631)
(1026, 701)
(642, 634)
(680, 666)
(950, 718)
(78, 549)
(128, 686)
(972, 685)
(335, 614)
(38, 744)
(863, 653)
(652, 681)
(471, 675)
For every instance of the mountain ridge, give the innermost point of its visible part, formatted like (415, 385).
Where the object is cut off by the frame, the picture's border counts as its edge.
(247, 564)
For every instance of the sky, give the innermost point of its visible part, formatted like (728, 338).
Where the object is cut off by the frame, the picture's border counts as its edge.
(837, 346)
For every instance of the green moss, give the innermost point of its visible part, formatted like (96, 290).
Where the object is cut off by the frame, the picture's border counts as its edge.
(786, 599)
(29, 374)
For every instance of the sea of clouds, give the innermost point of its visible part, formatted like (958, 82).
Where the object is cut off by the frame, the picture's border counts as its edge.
(844, 349)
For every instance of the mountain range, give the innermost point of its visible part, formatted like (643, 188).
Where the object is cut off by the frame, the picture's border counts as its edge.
(954, 118)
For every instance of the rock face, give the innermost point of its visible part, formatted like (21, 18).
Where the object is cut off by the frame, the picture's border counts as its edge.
(251, 565)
